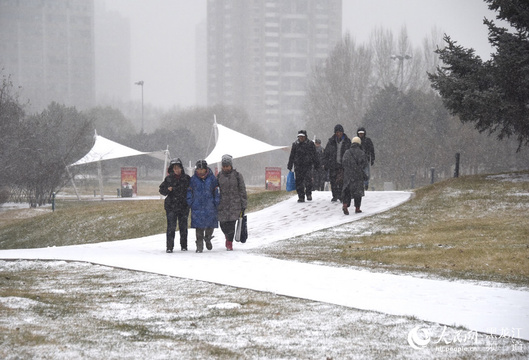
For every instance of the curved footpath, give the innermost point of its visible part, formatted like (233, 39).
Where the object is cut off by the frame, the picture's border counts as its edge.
(490, 310)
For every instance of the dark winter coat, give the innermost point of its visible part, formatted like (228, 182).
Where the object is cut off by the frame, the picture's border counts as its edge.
(354, 161)
(233, 198)
(367, 146)
(203, 198)
(331, 150)
(175, 200)
(303, 155)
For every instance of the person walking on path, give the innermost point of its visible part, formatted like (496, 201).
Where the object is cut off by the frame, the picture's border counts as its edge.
(354, 163)
(203, 198)
(369, 149)
(174, 188)
(233, 199)
(337, 145)
(320, 174)
(303, 158)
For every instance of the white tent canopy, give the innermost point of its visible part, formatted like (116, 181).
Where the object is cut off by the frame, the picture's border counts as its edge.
(237, 145)
(105, 149)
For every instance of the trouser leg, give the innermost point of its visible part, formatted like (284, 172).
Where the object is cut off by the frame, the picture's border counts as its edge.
(346, 196)
(171, 229)
(182, 227)
(367, 171)
(300, 184)
(336, 180)
(200, 239)
(208, 235)
(309, 184)
(228, 228)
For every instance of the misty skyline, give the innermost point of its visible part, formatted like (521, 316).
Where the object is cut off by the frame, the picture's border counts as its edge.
(163, 36)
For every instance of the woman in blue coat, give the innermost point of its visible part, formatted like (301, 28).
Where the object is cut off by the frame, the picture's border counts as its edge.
(203, 199)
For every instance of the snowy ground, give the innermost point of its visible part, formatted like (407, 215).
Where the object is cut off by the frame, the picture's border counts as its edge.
(487, 309)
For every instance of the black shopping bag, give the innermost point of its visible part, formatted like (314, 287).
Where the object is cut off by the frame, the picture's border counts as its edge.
(241, 233)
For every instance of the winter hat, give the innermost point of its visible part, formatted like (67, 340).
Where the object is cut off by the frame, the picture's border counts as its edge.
(174, 162)
(356, 140)
(201, 164)
(302, 133)
(227, 160)
(338, 128)
(317, 141)
(361, 130)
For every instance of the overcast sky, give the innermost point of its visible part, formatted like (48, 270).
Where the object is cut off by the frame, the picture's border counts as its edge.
(163, 35)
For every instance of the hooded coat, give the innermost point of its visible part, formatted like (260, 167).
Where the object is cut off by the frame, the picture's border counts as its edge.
(367, 146)
(175, 200)
(233, 198)
(354, 161)
(203, 198)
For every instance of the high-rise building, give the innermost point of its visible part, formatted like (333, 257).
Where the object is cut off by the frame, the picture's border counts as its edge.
(201, 55)
(261, 52)
(112, 56)
(48, 49)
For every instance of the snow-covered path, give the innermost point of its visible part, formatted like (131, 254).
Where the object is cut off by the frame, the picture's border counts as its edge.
(486, 309)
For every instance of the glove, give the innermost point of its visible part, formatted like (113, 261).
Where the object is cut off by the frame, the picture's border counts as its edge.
(289, 169)
(242, 212)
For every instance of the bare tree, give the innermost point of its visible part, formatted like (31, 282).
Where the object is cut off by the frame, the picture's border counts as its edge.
(339, 89)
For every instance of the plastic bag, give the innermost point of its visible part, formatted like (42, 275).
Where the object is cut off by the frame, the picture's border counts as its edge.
(291, 181)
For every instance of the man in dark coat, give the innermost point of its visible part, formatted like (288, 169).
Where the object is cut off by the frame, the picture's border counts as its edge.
(303, 157)
(337, 145)
(369, 149)
(354, 163)
(174, 188)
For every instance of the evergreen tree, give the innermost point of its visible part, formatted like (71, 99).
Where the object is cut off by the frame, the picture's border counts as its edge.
(493, 94)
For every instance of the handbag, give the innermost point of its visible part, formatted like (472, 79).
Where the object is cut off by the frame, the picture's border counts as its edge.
(241, 233)
(291, 181)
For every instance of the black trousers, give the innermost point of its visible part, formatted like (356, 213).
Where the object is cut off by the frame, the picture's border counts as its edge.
(303, 181)
(228, 228)
(174, 218)
(346, 198)
(336, 180)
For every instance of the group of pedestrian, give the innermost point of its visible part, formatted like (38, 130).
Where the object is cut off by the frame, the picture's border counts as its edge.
(211, 199)
(345, 161)
(222, 198)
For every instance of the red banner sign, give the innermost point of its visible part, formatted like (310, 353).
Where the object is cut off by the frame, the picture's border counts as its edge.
(273, 178)
(129, 181)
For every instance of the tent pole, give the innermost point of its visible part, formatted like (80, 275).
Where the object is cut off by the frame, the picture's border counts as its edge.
(216, 137)
(166, 153)
(73, 183)
(100, 175)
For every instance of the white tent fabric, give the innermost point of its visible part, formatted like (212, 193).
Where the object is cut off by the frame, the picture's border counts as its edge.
(105, 149)
(237, 145)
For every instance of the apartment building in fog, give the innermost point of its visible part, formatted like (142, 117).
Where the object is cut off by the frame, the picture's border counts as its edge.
(48, 49)
(261, 52)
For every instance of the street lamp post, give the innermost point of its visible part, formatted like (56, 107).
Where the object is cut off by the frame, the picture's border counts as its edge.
(401, 59)
(141, 84)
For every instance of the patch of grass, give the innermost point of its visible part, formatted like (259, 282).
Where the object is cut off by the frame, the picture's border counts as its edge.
(109, 313)
(474, 227)
(85, 222)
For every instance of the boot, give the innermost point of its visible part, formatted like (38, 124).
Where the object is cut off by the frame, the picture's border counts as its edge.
(345, 210)
(358, 210)
(229, 245)
(200, 246)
